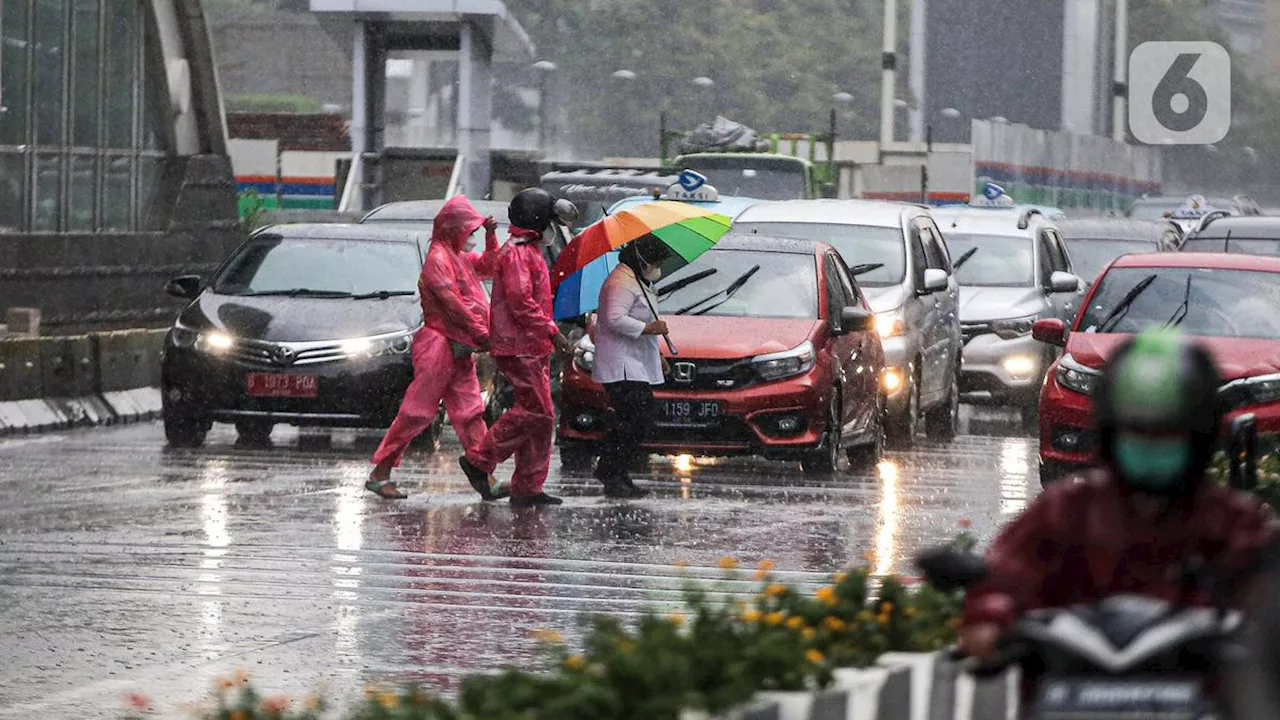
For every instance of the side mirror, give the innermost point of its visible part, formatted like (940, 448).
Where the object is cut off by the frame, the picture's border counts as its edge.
(948, 569)
(186, 287)
(1051, 331)
(1243, 453)
(935, 280)
(855, 319)
(1063, 282)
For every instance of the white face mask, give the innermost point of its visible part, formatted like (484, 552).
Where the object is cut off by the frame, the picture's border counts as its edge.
(652, 273)
(470, 244)
(548, 237)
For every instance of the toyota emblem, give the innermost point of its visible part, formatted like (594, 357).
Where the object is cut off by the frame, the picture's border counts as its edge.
(282, 355)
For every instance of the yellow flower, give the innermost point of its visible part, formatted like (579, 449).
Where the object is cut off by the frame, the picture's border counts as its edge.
(795, 623)
(739, 607)
(834, 624)
(774, 618)
(864, 616)
(775, 590)
(240, 676)
(909, 612)
(676, 617)
(372, 691)
(953, 622)
(727, 563)
(682, 564)
(574, 662)
(765, 565)
(813, 656)
(827, 595)
(547, 636)
(225, 683)
(883, 619)
(841, 577)
(808, 633)
(276, 705)
(752, 616)
(869, 555)
(388, 701)
(887, 607)
(237, 715)
(314, 703)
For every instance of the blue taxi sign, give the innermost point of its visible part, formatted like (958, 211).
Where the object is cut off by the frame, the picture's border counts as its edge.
(692, 186)
(993, 196)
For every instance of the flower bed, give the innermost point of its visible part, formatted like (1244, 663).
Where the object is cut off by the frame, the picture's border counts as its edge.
(709, 657)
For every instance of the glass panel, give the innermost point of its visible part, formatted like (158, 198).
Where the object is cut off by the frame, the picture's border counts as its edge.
(149, 169)
(122, 51)
(50, 62)
(117, 201)
(13, 176)
(48, 192)
(857, 244)
(13, 73)
(85, 67)
(153, 100)
(84, 172)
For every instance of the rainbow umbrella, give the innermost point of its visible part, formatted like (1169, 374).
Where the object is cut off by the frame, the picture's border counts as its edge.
(580, 271)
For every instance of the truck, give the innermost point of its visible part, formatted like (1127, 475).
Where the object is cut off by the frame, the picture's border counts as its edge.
(774, 167)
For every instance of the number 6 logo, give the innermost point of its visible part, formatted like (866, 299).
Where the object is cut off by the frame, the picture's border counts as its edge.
(1180, 93)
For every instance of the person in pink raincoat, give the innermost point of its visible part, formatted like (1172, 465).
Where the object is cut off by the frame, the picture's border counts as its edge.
(524, 336)
(455, 313)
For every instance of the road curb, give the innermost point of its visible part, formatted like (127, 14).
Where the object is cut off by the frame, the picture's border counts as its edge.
(24, 417)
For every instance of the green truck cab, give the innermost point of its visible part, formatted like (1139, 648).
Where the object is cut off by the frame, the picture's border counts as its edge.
(773, 175)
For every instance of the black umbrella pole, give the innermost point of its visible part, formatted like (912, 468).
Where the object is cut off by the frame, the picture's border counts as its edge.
(654, 310)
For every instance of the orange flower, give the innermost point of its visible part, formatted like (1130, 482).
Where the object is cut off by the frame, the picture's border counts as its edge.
(953, 622)
(864, 616)
(676, 617)
(841, 577)
(814, 656)
(727, 563)
(774, 618)
(869, 555)
(966, 523)
(795, 622)
(547, 636)
(765, 565)
(575, 662)
(388, 701)
(775, 590)
(237, 715)
(886, 608)
(834, 624)
(752, 616)
(276, 705)
(827, 595)
(240, 675)
(808, 633)
(909, 612)
(138, 702)
(883, 619)
(314, 704)
(225, 683)
(682, 564)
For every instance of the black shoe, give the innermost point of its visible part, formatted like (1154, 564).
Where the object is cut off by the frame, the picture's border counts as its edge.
(636, 492)
(533, 500)
(622, 489)
(478, 478)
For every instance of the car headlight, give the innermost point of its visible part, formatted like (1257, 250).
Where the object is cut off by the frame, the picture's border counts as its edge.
(182, 337)
(1014, 328)
(380, 346)
(890, 324)
(1246, 392)
(214, 342)
(584, 353)
(1076, 377)
(789, 363)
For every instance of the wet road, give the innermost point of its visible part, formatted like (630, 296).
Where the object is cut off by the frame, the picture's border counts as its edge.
(128, 567)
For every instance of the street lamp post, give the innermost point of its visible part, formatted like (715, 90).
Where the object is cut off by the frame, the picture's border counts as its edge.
(544, 68)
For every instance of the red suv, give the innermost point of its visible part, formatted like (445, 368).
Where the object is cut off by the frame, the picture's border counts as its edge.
(778, 356)
(1230, 303)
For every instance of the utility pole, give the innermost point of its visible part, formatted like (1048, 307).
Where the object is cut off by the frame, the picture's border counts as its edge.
(889, 75)
(1120, 88)
(919, 55)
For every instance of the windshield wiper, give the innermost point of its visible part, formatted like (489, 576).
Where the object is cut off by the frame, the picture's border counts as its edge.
(964, 258)
(1181, 313)
(1122, 307)
(728, 291)
(296, 292)
(383, 294)
(685, 282)
(864, 268)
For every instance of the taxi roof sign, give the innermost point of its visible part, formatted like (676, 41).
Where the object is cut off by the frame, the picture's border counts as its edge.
(992, 196)
(692, 186)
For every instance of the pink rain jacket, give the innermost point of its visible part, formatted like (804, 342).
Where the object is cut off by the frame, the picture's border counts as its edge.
(453, 300)
(521, 317)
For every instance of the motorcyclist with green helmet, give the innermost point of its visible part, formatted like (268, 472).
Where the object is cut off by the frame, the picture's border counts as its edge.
(1132, 525)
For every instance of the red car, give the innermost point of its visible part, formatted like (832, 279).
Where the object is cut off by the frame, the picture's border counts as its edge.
(778, 356)
(1231, 303)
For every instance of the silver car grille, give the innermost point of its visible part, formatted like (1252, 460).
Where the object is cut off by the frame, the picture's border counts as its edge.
(287, 354)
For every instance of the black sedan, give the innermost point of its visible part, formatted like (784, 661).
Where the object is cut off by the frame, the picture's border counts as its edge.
(1094, 242)
(309, 325)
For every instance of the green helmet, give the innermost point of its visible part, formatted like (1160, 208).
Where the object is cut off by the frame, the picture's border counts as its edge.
(1158, 387)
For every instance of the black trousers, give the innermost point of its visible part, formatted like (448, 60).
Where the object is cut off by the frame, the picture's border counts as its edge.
(632, 404)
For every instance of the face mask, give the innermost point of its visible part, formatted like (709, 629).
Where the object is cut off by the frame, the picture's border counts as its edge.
(548, 237)
(470, 244)
(1154, 465)
(652, 273)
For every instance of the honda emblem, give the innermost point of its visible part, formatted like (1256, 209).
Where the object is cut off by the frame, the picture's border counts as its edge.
(683, 372)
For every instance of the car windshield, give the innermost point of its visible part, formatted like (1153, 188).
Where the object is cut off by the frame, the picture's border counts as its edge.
(765, 180)
(776, 285)
(999, 261)
(1089, 257)
(1211, 302)
(1244, 246)
(858, 245)
(279, 264)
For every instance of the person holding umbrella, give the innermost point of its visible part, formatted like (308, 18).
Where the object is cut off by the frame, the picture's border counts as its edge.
(628, 361)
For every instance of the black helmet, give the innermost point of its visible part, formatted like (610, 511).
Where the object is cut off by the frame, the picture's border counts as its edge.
(1156, 388)
(532, 209)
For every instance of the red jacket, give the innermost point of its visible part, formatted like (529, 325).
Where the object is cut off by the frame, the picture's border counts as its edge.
(520, 317)
(453, 300)
(1086, 540)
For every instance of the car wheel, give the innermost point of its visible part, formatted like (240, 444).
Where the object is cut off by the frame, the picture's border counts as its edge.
(941, 422)
(254, 432)
(865, 458)
(577, 459)
(183, 430)
(904, 428)
(429, 440)
(1051, 472)
(826, 459)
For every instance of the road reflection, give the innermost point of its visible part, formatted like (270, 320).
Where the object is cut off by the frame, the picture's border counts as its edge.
(886, 518)
(348, 524)
(217, 538)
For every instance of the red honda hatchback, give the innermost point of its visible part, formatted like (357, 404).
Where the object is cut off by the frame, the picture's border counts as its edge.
(1230, 303)
(778, 356)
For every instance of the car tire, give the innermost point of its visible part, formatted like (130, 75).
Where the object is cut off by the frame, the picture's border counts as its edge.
(429, 440)
(865, 458)
(183, 430)
(942, 422)
(254, 432)
(904, 428)
(825, 460)
(577, 460)
(1051, 472)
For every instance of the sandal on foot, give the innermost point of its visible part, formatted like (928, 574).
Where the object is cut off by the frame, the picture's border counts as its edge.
(385, 489)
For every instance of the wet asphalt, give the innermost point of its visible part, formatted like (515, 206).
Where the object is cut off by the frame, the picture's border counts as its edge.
(128, 567)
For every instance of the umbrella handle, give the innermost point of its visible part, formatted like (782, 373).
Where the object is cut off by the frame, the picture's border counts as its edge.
(670, 346)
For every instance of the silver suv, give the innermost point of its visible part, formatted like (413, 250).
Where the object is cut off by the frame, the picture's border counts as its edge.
(902, 265)
(1013, 269)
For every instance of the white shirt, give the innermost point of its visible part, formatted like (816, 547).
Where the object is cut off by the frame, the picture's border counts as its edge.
(623, 351)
